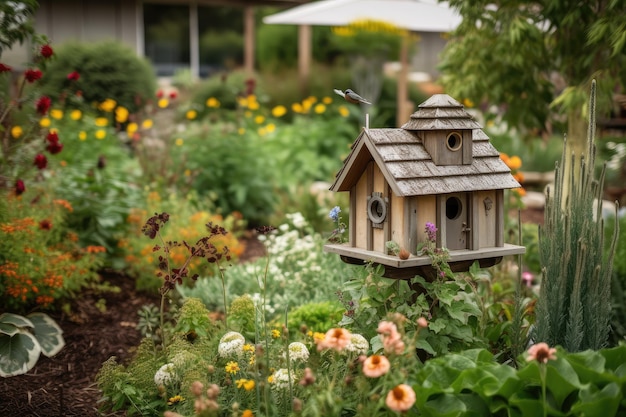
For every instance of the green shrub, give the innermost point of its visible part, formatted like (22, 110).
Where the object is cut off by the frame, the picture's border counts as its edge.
(316, 317)
(223, 49)
(107, 70)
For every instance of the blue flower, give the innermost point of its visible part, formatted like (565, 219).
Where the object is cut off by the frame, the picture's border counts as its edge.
(334, 213)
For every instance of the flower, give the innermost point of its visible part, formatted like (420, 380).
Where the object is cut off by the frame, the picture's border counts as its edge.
(527, 277)
(147, 124)
(358, 344)
(54, 146)
(541, 353)
(337, 339)
(401, 398)
(107, 105)
(319, 108)
(44, 122)
(275, 333)
(101, 121)
(46, 51)
(212, 102)
(431, 231)
(191, 114)
(16, 132)
(298, 351)
(231, 344)
(20, 188)
(281, 380)
(344, 111)
(41, 161)
(42, 105)
(392, 339)
(121, 114)
(173, 94)
(232, 367)
(100, 134)
(163, 103)
(247, 384)
(175, 400)
(73, 76)
(45, 224)
(4, 68)
(334, 213)
(82, 135)
(259, 119)
(32, 75)
(164, 375)
(422, 322)
(247, 413)
(375, 366)
(131, 128)
(76, 114)
(514, 162)
(56, 114)
(279, 111)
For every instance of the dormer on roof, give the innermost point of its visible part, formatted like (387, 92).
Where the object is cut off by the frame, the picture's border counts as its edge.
(439, 168)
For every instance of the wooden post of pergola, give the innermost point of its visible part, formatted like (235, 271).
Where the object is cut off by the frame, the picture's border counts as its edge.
(305, 41)
(248, 56)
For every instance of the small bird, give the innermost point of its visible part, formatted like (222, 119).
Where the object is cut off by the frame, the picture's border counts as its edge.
(351, 97)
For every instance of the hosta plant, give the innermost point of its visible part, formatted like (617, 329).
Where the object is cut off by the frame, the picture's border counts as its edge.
(24, 339)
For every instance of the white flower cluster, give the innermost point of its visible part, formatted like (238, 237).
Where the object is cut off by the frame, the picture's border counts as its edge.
(280, 379)
(231, 344)
(165, 375)
(298, 352)
(358, 344)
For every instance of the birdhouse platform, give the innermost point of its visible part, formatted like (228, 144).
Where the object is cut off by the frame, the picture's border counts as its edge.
(438, 168)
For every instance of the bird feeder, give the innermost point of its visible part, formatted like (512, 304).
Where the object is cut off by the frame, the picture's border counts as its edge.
(438, 168)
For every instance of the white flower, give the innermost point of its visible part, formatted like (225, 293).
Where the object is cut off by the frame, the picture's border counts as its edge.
(358, 344)
(165, 374)
(297, 219)
(231, 344)
(298, 352)
(280, 379)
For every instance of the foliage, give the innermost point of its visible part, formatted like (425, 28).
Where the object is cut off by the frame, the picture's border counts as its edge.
(573, 309)
(122, 76)
(223, 49)
(23, 339)
(16, 22)
(618, 286)
(314, 316)
(40, 259)
(510, 54)
(371, 38)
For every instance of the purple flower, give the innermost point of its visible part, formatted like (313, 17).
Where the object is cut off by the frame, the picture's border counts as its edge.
(334, 213)
(431, 231)
(527, 277)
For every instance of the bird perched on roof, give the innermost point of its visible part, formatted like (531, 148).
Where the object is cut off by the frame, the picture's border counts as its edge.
(351, 97)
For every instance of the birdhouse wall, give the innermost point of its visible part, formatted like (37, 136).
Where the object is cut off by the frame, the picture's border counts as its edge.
(380, 236)
(401, 217)
(487, 218)
(426, 212)
(358, 206)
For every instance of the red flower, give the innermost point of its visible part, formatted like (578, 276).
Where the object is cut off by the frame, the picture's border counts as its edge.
(159, 93)
(43, 104)
(52, 137)
(54, 147)
(46, 51)
(73, 76)
(19, 187)
(32, 75)
(45, 224)
(41, 161)
(173, 94)
(4, 68)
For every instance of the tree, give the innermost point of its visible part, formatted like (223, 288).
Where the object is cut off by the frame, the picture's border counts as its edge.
(535, 60)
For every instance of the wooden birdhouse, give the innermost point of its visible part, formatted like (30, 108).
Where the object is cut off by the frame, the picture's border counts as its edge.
(439, 167)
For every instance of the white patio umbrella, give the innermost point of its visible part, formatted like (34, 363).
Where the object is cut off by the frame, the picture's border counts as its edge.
(413, 15)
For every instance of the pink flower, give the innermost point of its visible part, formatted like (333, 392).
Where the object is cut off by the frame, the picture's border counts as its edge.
(375, 366)
(401, 398)
(422, 322)
(46, 51)
(4, 68)
(32, 75)
(41, 161)
(42, 105)
(391, 338)
(541, 353)
(73, 76)
(527, 277)
(337, 339)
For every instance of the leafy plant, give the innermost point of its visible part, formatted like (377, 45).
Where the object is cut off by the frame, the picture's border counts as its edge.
(23, 339)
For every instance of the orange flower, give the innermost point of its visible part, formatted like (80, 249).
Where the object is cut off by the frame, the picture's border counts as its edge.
(337, 339)
(401, 398)
(375, 366)
(541, 353)
(514, 162)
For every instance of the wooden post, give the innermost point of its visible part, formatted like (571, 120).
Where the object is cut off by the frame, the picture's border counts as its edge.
(304, 57)
(402, 79)
(248, 57)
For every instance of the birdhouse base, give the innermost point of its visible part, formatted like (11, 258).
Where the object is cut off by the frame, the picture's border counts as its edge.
(459, 261)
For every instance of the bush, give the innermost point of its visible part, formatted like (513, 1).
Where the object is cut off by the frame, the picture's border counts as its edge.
(107, 70)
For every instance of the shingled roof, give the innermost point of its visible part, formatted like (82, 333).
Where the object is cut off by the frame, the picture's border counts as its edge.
(409, 168)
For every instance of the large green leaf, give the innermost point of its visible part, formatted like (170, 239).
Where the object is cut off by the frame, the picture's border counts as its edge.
(599, 403)
(15, 320)
(18, 353)
(48, 333)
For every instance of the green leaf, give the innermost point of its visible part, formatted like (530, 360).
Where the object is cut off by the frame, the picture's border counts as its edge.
(48, 334)
(561, 380)
(445, 405)
(599, 403)
(18, 353)
(15, 320)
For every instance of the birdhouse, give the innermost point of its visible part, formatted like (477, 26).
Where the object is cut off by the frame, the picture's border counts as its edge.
(438, 168)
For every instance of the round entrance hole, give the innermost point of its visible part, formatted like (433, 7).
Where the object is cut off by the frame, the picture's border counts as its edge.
(454, 141)
(453, 208)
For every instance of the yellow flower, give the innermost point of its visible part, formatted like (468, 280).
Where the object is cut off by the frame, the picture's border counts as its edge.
(248, 347)
(146, 124)
(327, 100)
(212, 102)
(16, 132)
(191, 114)
(262, 131)
(44, 122)
(270, 127)
(163, 103)
(107, 105)
(247, 413)
(121, 114)
(179, 142)
(468, 103)
(131, 128)
(259, 119)
(241, 130)
(275, 333)
(187, 172)
(101, 134)
(297, 108)
(82, 135)
(76, 114)
(343, 111)
(319, 108)
(270, 379)
(247, 384)
(56, 114)
(254, 105)
(247, 114)
(175, 400)
(279, 111)
(101, 121)
(232, 367)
